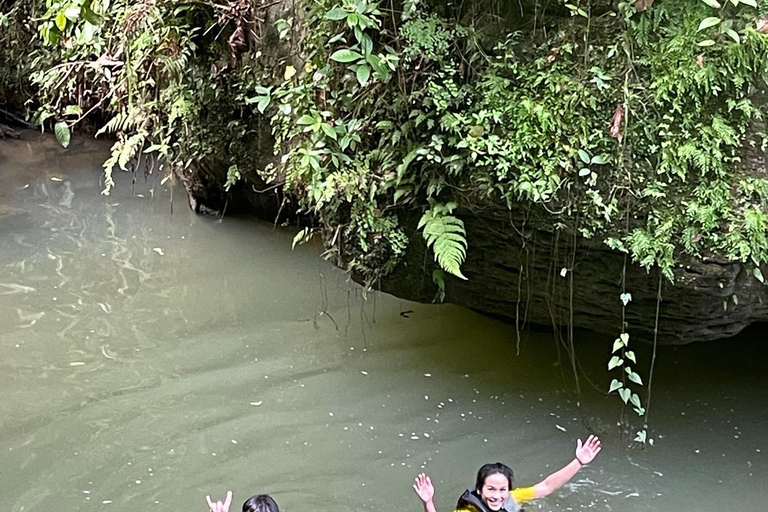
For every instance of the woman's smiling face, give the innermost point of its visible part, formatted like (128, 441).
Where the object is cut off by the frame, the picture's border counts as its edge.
(495, 491)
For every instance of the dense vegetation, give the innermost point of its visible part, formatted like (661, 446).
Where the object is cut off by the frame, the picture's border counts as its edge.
(630, 123)
(640, 123)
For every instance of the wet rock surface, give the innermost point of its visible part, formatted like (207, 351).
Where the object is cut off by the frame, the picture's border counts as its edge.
(528, 274)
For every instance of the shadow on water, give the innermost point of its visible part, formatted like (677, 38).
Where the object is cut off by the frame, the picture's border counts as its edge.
(147, 359)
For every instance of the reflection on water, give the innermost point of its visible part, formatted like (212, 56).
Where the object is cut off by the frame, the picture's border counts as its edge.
(148, 358)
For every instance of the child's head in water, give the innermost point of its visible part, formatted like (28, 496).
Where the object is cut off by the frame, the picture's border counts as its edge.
(260, 503)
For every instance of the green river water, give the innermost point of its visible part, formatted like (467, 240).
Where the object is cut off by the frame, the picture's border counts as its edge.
(148, 358)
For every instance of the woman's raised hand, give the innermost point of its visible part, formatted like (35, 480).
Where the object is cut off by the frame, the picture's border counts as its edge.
(587, 452)
(424, 488)
(217, 506)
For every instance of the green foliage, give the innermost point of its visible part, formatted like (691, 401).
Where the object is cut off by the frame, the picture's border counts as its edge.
(63, 134)
(428, 37)
(624, 360)
(445, 234)
(233, 176)
(375, 114)
(170, 77)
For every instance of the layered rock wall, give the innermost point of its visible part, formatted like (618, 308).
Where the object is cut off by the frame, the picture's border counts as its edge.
(532, 275)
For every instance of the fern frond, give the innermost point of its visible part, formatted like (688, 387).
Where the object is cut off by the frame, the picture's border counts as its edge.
(122, 152)
(446, 236)
(133, 144)
(125, 120)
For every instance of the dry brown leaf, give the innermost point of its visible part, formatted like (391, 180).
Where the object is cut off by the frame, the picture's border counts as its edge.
(616, 121)
(643, 5)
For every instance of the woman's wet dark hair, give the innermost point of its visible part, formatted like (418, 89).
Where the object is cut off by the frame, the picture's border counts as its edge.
(492, 469)
(260, 503)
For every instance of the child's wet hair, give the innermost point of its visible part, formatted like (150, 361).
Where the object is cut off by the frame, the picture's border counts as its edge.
(260, 503)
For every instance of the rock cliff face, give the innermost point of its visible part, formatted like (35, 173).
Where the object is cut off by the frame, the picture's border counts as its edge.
(537, 276)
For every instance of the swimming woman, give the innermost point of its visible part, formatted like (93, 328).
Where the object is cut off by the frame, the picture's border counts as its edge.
(494, 488)
(257, 503)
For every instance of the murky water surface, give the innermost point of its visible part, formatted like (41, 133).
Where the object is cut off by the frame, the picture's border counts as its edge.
(149, 358)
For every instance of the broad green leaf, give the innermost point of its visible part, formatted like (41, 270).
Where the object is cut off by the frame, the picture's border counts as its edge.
(750, 3)
(63, 135)
(438, 277)
(706, 42)
(634, 377)
(735, 299)
(584, 156)
(345, 55)
(615, 384)
(758, 274)
(305, 120)
(625, 393)
(73, 110)
(335, 14)
(712, 3)
(263, 103)
(88, 31)
(400, 193)
(301, 237)
(366, 44)
(403, 167)
(599, 159)
(614, 362)
(625, 338)
(329, 131)
(363, 74)
(631, 356)
(290, 72)
(72, 13)
(733, 35)
(640, 437)
(477, 131)
(584, 171)
(617, 345)
(376, 63)
(91, 17)
(635, 400)
(708, 22)
(61, 21)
